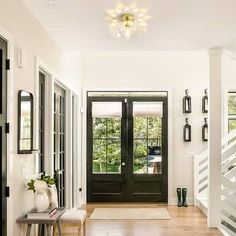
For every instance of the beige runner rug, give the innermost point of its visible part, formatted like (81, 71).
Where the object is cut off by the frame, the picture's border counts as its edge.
(130, 214)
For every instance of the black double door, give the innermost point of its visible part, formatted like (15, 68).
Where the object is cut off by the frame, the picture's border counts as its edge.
(3, 132)
(127, 149)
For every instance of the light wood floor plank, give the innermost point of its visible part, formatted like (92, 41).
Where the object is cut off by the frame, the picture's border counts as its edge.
(188, 221)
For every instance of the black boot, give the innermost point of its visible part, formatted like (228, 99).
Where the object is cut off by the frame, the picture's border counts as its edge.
(178, 190)
(184, 195)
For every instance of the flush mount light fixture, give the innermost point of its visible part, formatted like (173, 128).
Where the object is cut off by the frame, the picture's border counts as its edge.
(127, 20)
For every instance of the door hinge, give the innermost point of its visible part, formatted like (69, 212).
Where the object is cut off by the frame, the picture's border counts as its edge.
(7, 128)
(7, 64)
(81, 110)
(7, 191)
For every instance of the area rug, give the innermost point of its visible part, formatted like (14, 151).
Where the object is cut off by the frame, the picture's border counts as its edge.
(130, 214)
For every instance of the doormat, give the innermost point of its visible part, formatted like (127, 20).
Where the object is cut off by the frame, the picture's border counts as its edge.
(130, 214)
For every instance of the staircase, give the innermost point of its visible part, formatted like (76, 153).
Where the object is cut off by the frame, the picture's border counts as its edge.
(228, 183)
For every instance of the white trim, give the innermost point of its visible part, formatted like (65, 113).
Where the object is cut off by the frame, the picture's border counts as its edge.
(68, 149)
(229, 54)
(49, 91)
(61, 84)
(68, 152)
(76, 168)
(10, 139)
(170, 146)
(84, 149)
(41, 66)
(174, 201)
(84, 139)
(225, 112)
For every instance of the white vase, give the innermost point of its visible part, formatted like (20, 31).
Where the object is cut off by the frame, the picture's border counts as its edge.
(41, 201)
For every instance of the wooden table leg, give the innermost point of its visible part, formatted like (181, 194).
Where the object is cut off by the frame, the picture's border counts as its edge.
(48, 230)
(40, 230)
(28, 230)
(59, 227)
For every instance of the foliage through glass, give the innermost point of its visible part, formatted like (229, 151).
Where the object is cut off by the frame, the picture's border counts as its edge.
(147, 134)
(231, 111)
(106, 145)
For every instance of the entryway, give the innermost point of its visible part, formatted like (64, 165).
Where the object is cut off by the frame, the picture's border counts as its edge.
(180, 223)
(3, 132)
(127, 148)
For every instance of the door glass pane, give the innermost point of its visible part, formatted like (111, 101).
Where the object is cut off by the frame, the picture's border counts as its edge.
(232, 124)
(106, 137)
(99, 156)
(140, 156)
(113, 156)
(147, 143)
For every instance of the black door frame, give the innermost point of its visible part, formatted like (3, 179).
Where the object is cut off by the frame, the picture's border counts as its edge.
(42, 83)
(136, 178)
(4, 129)
(60, 142)
(101, 178)
(127, 150)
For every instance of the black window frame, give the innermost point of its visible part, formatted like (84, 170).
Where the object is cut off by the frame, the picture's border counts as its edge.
(231, 116)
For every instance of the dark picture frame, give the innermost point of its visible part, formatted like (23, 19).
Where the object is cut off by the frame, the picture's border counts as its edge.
(205, 102)
(205, 131)
(187, 131)
(187, 102)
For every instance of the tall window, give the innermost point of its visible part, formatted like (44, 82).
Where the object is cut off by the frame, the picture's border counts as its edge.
(231, 111)
(59, 142)
(41, 121)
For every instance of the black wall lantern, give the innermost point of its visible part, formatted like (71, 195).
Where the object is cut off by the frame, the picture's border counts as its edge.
(205, 102)
(205, 131)
(187, 131)
(187, 107)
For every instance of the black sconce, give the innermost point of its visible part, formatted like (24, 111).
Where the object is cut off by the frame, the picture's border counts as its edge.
(205, 131)
(205, 102)
(187, 107)
(187, 131)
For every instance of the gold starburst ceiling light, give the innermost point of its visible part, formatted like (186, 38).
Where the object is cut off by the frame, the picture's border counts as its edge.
(127, 20)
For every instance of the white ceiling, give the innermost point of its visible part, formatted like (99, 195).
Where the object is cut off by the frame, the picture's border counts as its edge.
(176, 24)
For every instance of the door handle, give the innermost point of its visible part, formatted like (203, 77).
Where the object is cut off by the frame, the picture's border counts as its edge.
(123, 163)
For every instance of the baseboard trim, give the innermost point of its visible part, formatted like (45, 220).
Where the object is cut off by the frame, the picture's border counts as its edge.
(174, 201)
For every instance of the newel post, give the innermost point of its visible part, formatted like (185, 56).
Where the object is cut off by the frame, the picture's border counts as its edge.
(214, 194)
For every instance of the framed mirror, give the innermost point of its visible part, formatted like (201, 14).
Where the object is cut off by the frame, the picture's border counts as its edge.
(25, 122)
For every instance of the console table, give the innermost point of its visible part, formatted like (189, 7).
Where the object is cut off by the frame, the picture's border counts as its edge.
(54, 220)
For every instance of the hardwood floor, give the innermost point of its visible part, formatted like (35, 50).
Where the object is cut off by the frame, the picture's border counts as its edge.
(188, 221)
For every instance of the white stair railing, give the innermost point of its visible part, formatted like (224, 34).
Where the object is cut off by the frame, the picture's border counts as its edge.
(228, 185)
(200, 178)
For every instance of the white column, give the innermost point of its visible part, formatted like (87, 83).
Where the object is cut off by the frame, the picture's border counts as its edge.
(215, 76)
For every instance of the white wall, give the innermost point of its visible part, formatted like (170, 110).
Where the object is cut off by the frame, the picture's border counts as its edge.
(28, 34)
(174, 71)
